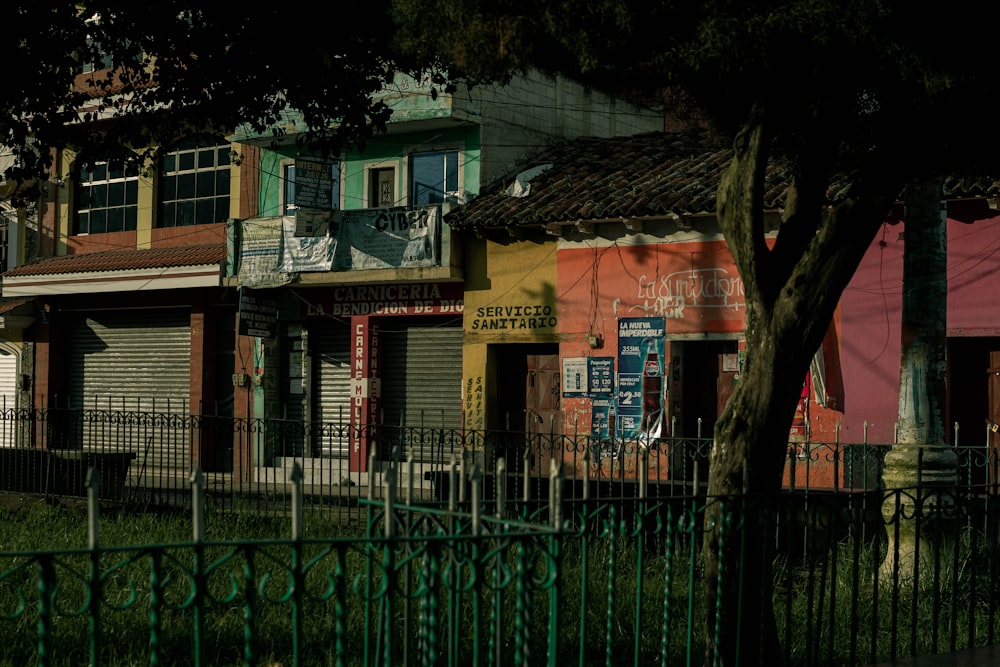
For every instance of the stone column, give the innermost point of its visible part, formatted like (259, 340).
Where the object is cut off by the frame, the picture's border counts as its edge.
(920, 462)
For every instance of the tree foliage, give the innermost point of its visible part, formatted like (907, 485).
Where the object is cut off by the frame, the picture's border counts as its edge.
(870, 94)
(176, 66)
(876, 92)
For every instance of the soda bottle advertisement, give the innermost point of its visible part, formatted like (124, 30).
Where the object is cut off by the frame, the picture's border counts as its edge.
(640, 377)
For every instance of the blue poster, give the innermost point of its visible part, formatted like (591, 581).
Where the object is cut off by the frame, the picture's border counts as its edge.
(640, 377)
(601, 376)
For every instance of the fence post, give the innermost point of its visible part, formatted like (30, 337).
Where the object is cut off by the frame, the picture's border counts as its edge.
(296, 476)
(555, 494)
(501, 490)
(475, 477)
(198, 534)
(93, 544)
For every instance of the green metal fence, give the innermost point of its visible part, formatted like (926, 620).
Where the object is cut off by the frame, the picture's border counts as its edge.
(500, 578)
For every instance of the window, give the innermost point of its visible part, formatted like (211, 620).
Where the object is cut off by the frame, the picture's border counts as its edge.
(106, 199)
(104, 61)
(381, 187)
(434, 177)
(194, 183)
(288, 179)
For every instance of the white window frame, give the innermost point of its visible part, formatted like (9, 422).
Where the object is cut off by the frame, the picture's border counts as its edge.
(161, 198)
(370, 167)
(124, 179)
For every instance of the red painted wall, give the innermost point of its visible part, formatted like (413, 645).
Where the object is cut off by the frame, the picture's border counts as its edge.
(695, 286)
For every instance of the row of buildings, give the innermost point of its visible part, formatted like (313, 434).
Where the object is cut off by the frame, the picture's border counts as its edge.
(536, 258)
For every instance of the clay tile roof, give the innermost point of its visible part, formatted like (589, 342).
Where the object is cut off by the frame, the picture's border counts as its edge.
(124, 260)
(592, 178)
(646, 175)
(7, 305)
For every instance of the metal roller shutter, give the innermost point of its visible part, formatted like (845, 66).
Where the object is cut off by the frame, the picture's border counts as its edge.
(422, 373)
(133, 362)
(8, 397)
(330, 350)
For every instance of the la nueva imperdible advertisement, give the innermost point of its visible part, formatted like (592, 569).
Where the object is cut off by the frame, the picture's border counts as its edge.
(640, 377)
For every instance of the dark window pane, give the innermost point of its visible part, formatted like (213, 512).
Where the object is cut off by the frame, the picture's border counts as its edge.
(98, 222)
(168, 188)
(289, 188)
(83, 199)
(131, 218)
(116, 193)
(223, 156)
(116, 219)
(221, 209)
(98, 196)
(451, 171)
(206, 184)
(185, 186)
(185, 213)
(168, 216)
(428, 171)
(83, 223)
(100, 172)
(131, 192)
(205, 211)
(222, 182)
(169, 162)
(185, 161)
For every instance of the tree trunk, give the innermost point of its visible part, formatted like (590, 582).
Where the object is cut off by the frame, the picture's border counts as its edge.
(791, 292)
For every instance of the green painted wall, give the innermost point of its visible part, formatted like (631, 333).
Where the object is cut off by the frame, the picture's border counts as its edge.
(385, 150)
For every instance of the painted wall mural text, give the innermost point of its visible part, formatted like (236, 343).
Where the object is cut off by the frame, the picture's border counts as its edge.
(670, 295)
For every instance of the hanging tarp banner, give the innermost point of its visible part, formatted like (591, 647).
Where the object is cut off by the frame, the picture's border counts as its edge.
(640, 377)
(388, 238)
(260, 249)
(300, 254)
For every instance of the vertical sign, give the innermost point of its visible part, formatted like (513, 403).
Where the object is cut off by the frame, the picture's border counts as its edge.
(640, 377)
(313, 197)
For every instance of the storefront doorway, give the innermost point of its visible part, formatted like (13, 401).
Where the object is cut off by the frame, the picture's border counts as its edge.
(525, 384)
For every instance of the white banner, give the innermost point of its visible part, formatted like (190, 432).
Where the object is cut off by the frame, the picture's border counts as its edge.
(260, 247)
(300, 254)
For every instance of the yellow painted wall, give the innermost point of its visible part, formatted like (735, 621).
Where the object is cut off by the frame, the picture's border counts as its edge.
(510, 297)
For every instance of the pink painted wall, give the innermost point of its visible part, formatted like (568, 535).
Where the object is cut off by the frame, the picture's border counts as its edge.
(870, 314)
